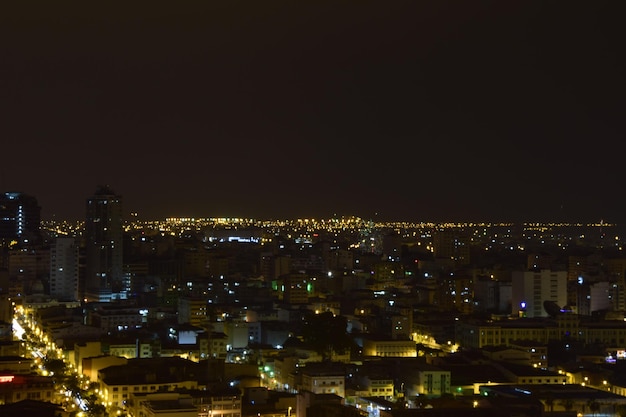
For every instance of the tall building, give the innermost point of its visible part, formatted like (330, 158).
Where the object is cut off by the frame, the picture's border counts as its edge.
(64, 269)
(104, 275)
(452, 244)
(530, 289)
(20, 216)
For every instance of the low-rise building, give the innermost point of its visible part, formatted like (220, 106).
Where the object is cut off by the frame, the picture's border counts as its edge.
(162, 404)
(217, 402)
(389, 348)
(322, 378)
(14, 388)
(145, 375)
(92, 365)
(15, 365)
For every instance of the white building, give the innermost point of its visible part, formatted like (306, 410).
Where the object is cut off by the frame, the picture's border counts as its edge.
(321, 381)
(64, 269)
(530, 289)
(433, 382)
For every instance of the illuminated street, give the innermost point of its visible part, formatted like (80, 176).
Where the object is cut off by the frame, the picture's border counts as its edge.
(75, 392)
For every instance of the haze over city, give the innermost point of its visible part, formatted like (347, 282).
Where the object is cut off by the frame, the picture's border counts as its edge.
(425, 111)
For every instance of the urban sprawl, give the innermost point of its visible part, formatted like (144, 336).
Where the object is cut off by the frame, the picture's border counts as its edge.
(347, 316)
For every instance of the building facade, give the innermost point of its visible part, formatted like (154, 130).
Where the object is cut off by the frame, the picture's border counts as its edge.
(20, 216)
(531, 289)
(64, 269)
(104, 280)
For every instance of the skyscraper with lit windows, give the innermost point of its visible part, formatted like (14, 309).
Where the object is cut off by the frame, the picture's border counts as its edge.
(20, 217)
(104, 276)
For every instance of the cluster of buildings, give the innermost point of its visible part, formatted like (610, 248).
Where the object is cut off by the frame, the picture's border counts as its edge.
(237, 317)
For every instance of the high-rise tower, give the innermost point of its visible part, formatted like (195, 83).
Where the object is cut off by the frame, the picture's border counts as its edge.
(20, 217)
(64, 269)
(103, 247)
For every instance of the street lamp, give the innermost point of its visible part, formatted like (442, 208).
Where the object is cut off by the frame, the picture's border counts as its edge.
(289, 412)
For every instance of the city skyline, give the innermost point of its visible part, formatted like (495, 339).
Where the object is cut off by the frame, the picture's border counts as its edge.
(403, 111)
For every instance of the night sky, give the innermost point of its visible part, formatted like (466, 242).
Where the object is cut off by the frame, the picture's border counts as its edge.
(395, 110)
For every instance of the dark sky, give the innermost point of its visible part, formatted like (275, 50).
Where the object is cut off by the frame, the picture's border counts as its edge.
(405, 110)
